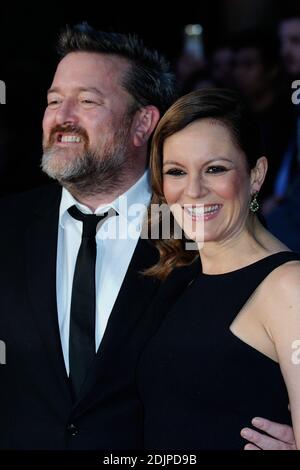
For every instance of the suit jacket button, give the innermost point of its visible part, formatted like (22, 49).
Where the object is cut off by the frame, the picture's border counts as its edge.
(72, 429)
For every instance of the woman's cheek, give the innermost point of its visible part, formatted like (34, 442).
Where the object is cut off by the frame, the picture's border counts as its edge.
(171, 191)
(230, 187)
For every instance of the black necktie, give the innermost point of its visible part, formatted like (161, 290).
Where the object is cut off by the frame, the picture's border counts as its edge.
(82, 348)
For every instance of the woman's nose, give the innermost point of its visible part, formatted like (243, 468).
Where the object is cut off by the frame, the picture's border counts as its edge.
(196, 188)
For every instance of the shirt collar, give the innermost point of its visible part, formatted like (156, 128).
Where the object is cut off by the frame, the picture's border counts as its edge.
(139, 193)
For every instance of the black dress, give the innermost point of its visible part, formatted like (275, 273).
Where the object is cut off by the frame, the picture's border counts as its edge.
(200, 384)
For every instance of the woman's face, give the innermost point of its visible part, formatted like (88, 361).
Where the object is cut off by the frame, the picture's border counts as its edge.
(205, 179)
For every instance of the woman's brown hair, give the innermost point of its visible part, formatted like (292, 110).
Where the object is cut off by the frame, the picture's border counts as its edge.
(223, 105)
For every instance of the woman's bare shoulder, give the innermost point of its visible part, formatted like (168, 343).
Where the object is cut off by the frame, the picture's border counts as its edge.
(286, 277)
(280, 293)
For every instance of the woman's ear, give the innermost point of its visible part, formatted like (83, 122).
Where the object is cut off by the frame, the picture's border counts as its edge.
(258, 174)
(144, 124)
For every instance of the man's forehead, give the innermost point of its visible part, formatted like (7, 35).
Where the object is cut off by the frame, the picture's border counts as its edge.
(79, 89)
(93, 71)
(82, 60)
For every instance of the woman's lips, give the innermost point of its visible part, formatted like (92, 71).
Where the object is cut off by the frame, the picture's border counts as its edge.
(202, 211)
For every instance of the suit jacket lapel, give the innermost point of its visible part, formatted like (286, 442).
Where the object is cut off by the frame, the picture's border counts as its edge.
(41, 241)
(134, 296)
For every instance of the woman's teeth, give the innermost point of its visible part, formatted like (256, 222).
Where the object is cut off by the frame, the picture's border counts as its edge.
(203, 210)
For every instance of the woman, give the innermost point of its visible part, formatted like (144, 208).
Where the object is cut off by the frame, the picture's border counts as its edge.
(229, 348)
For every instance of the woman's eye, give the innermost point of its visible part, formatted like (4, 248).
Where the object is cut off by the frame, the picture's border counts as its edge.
(175, 172)
(216, 169)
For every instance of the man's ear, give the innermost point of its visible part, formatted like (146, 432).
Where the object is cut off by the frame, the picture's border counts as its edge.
(143, 125)
(258, 174)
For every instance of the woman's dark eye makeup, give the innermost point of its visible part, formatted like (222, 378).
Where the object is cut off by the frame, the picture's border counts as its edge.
(212, 169)
(216, 169)
(174, 172)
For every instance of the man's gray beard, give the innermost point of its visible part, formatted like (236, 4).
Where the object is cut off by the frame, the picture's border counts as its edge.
(91, 173)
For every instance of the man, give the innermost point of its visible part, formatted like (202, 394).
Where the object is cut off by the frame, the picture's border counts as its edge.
(287, 172)
(289, 35)
(256, 76)
(69, 381)
(104, 102)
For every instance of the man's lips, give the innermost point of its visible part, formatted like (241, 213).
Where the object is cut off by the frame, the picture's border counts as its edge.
(67, 135)
(68, 138)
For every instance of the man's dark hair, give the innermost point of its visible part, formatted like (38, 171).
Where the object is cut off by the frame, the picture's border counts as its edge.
(149, 79)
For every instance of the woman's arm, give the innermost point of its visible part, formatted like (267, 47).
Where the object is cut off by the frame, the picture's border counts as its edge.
(282, 321)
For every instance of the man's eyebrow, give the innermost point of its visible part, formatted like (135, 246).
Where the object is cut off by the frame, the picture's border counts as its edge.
(91, 89)
(53, 90)
(79, 89)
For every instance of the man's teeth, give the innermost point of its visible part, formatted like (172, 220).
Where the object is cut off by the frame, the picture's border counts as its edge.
(201, 210)
(70, 138)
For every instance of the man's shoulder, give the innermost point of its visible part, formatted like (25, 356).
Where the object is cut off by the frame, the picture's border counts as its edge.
(36, 196)
(31, 201)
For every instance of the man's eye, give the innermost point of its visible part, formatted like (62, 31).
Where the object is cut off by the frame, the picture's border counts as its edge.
(216, 169)
(86, 102)
(175, 172)
(53, 103)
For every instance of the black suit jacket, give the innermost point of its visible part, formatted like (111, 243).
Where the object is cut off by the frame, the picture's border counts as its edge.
(36, 408)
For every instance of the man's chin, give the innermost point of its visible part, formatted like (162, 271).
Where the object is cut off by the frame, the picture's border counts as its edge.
(63, 152)
(58, 166)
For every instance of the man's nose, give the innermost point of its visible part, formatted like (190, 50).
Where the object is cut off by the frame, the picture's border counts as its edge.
(67, 113)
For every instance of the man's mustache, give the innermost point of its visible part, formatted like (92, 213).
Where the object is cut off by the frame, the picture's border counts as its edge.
(68, 129)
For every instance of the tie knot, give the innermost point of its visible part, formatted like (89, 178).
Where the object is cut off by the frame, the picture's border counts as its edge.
(90, 221)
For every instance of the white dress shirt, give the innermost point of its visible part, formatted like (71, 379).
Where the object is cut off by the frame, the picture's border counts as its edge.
(116, 241)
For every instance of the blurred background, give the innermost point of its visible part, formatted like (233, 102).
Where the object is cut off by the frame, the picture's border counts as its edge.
(250, 45)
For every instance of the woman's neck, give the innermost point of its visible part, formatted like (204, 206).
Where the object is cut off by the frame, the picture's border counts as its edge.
(248, 245)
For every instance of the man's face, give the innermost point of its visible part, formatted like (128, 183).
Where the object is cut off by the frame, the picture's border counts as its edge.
(289, 34)
(251, 76)
(86, 126)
